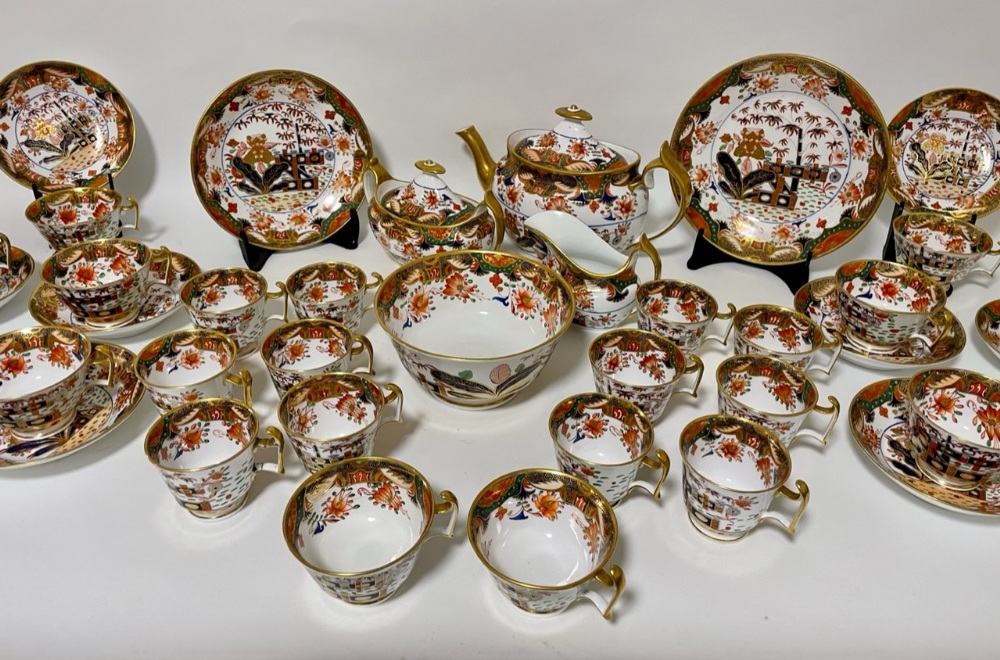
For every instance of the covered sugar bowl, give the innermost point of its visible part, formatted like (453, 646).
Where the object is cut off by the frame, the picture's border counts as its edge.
(423, 216)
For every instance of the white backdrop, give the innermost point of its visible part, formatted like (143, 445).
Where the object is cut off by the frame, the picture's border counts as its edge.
(96, 558)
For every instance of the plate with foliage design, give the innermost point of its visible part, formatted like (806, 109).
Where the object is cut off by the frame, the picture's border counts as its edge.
(787, 158)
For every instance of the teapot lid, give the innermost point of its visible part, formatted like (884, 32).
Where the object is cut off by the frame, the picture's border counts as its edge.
(427, 199)
(570, 147)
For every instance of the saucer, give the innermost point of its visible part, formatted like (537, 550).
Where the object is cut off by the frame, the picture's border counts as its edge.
(161, 301)
(818, 300)
(878, 419)
(12, 278)
(988, 325)
(48, 309)
(102, 409)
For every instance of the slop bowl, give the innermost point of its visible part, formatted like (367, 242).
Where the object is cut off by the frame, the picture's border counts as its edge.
(474, 327)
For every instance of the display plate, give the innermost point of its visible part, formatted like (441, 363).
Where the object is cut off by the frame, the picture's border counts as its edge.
(62, 125)
(280, 153)
(102, 409)
(878, 419)
(946, 153)
(787, 158)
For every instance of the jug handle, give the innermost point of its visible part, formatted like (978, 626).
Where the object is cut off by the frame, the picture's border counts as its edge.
(682, 182)
(496, 210)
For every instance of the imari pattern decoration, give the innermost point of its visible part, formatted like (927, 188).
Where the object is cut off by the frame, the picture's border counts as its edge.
(279, 154)
(946, 153)
(879, 420)
(787, 157)
(62, 125)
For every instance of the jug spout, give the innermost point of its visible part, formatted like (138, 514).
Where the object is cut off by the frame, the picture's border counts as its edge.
(485, 165)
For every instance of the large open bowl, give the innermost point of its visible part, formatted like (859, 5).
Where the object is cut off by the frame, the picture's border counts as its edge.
(474, 327)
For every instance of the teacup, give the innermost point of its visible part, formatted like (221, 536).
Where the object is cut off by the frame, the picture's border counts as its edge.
(733, 468)
(73, 215)
(206, 453)
(954, 420)
(358, 525)
(309, 347)
(330, 290)
(546, 537)
(643, 368)
(102, 282)
(884, 304)
(336, 416)
(43, 377)
(16, 266)
(232, 301)
(604, 440)
(682, 312)
(189, 365)
(942, 246)
(784, 334)
(775, 395)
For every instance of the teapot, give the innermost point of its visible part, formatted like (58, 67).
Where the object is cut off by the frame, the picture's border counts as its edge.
(567, 169)
(603, 280)
(411, 219)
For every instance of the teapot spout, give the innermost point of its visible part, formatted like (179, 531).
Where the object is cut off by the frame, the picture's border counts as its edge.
(485, 165)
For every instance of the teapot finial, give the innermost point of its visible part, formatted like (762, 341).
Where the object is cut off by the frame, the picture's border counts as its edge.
(574, 112)
(429, 167)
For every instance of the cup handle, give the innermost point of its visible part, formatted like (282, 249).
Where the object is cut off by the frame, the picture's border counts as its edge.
(395, 394)
(362, 345)
(131, 204)
(284, 291)
(661, 462)
(724, 316)
(984, 269)
(835, 345)
(449, 504)
(495, 210)
(162, 254)
(697, 367)
(102, 355)
(682, 182)
(272, 438)
(377, 281)
(833, 410)
(613, 579)
(802, 496)
(242, 379)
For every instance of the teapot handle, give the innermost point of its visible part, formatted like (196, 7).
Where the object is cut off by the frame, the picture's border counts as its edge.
(682, 182)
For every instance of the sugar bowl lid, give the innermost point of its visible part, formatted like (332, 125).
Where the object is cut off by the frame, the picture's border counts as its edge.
(570, 147)
(427, 199)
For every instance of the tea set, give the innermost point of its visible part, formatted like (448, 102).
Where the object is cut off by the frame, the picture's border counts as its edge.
(283, 161)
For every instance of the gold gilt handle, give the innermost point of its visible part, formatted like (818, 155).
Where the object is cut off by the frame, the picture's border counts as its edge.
(613, 579)
(362, 345)
(245, 380)
(659, 461)
(682, 182)
(803, 498)
(272, 438)
(729, 316)
(131, 204)
(833, 410)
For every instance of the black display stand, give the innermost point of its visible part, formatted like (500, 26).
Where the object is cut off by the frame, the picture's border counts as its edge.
(704, 253)
(256, 256)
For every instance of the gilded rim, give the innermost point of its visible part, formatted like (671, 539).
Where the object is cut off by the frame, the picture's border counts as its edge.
(354, 270)
(46, 330)
(871, 109)
(567, 290)
(599, 500)
(338, 376)
(767, 434)
(596, 350)
(895, 130)
(986, 315)
(189, 332)
(983, 241)
(646, 426)
(355, 463)
(179, 411)
(229, 223)
(304, 323)
(929, 282)
(810, 404)
(187, 289)
(961, 373)
(97, 80)
(140, 248)
(642, 295)
(819, 337)
(515, 138)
